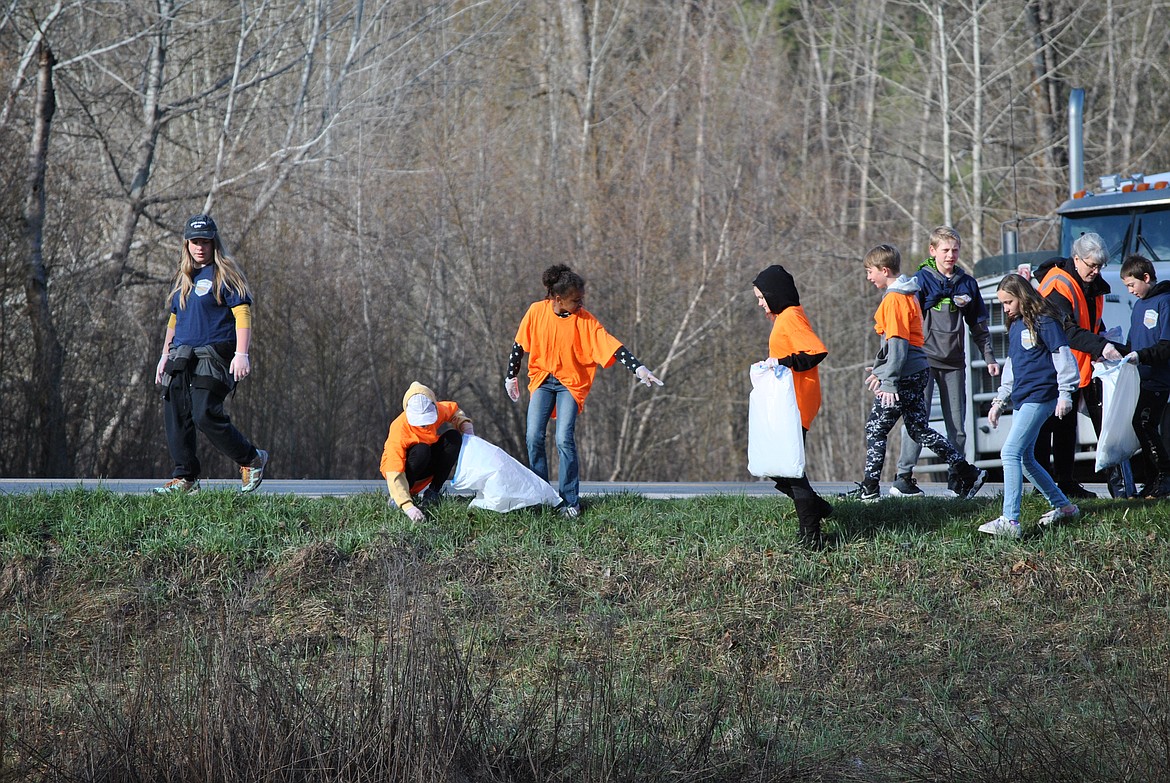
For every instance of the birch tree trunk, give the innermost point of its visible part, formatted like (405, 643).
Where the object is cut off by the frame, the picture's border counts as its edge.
(49, 358)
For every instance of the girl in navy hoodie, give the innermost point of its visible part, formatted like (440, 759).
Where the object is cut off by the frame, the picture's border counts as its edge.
(1039, 378)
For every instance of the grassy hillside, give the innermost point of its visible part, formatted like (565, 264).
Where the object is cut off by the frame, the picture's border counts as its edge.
(221, 637)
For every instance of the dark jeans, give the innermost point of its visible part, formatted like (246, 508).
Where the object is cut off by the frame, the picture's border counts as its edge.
(433, 460)
(1147, 418)
(1058, 437)
(189, 409)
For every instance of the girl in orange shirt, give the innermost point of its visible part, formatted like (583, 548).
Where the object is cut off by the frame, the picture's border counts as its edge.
(794, 344)
(565, 344)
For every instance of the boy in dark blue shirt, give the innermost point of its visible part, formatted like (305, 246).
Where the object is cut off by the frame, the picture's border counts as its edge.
(1149, 344)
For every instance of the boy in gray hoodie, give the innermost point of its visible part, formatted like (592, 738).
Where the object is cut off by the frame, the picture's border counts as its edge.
(949, 298)
(898, 380)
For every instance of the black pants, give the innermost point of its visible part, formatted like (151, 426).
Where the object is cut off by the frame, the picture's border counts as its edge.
(189, 409)
(434, 461)
(1147, 418)
(1058, 437)
(810, 507)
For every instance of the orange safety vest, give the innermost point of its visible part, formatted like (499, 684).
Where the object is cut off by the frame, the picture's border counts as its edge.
(1065, 285)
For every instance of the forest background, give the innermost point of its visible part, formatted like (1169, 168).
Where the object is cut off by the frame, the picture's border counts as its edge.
(394, 176)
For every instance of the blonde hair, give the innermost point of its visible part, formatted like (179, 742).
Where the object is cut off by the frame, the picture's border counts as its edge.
(943, 233)
(227, 275)
(884, 255)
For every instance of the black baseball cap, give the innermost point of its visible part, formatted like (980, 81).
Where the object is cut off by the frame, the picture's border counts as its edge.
(199, 227)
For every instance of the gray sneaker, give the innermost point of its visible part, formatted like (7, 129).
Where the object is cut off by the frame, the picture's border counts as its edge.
(906, 487)
(178, 486)
(251, 475)
(1057, 517)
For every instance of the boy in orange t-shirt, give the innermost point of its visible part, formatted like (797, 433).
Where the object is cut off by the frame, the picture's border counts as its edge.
(794, 344)
(565, 345)
(898, 379)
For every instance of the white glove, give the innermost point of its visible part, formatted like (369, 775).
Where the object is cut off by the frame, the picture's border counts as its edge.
(1110, 353)
(512, 386)
(415, 513)
(1063, 408)
(645, 376)
(770, 362)
(467, 429)
(1132, 357)
(241, 366)
(994, 414)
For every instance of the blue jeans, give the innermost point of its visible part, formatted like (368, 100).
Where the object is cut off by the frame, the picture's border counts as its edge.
(1019, 456)
(549, 394)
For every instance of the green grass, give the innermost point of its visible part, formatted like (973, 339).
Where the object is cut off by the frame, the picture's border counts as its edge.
(680, 640)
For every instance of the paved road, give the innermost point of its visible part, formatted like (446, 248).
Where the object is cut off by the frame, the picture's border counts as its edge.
(315, 488)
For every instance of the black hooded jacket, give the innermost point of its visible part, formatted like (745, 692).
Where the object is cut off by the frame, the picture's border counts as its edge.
(779, 290)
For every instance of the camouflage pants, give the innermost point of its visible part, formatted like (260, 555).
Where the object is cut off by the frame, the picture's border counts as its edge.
(911, 405)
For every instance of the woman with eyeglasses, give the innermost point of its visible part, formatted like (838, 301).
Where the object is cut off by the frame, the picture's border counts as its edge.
(1074, 287)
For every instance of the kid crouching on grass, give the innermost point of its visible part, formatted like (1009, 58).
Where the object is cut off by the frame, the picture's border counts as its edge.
(794, 344)
(898, 380)
(416, 458)
(1039, 377)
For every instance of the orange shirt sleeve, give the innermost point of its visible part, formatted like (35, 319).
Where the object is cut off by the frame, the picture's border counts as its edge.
(792, 333)
(898, 315)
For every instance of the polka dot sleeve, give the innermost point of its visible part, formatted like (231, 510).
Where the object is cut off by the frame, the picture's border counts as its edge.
(514, 360)
(627, 359)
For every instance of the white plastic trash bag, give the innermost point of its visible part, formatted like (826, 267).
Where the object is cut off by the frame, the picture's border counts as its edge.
(775, 436)
(499, 482)
(1120, 385)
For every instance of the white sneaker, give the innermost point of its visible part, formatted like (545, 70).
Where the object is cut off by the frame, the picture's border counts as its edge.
(1056, 516)
(1001, 526)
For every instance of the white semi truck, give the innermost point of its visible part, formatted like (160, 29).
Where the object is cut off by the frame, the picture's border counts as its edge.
(1132, 214)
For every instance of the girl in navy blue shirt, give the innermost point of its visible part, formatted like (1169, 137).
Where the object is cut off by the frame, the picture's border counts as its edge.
(204, 355)
(1039, 378)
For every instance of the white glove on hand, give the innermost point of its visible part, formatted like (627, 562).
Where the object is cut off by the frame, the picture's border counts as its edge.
(241, 366)
(1110, 353)
(512, 386)
(1132, 357)
(415, 513)
(467, 429)
(645, 376)
(770, 362)
(1063, 408)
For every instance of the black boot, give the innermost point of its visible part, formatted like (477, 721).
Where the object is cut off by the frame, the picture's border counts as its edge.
(810, 512)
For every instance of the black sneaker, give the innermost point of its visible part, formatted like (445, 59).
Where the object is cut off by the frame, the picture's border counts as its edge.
(1158, 488)
(968, 479)
(867, 493)
(906, 487)
(1074, 491)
